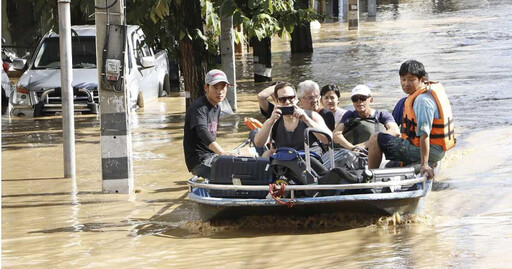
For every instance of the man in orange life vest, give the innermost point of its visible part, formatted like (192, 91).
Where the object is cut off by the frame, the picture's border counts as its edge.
(427, 124)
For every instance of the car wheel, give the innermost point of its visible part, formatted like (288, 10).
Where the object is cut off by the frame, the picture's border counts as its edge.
(166, 87)
(140, 100)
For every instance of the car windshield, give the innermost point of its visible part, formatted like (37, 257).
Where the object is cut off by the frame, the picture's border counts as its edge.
(83, 49)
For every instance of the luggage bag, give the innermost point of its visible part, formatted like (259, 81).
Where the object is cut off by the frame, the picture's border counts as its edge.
(233, 170)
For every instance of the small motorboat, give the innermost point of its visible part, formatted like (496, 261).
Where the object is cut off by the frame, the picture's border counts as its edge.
(293, 184)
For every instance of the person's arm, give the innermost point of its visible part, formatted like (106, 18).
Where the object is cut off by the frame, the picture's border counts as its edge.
(316, 121)
(215, 147)
(263, 135)
(204, 135)
(329, 120)
(263, 98)
(424, 152)
(392, 129)
(340, 139)
(425, 109)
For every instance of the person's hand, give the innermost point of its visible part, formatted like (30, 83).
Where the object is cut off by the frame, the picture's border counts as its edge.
(358, 149)
(276, 114)
(299, 113)
(231, 153)
(362, 145)
(425, 169)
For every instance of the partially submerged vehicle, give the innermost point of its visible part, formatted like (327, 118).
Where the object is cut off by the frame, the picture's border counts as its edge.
(38, 91)
(291, 182)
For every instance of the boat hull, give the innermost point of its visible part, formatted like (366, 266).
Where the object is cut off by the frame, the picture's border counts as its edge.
(403, 202)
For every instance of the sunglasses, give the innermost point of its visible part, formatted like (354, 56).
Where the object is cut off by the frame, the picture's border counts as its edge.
(359, 97)
(286, 98)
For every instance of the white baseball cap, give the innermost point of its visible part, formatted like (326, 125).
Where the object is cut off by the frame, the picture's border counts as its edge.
(361, 90)
(215, 76)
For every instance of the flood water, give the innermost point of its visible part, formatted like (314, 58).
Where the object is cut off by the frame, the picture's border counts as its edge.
(53, 222)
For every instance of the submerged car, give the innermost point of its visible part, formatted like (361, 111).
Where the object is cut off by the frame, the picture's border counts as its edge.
(6, 87)
(38, 91)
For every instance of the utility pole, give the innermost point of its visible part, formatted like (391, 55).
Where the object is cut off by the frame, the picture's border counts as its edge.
(353, 14)
(115, 135)
(227, 43)
(66, 77)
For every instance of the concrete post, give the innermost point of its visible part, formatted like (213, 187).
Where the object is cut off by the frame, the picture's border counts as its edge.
(66, 77)
(353, 14)
(115, 135)
(227, 43)
(372, 9)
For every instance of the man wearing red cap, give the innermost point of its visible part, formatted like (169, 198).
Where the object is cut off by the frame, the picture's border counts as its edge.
(201, 121)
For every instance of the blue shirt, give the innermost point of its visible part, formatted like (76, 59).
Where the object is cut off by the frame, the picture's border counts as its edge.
(398, 111)
(425, 108)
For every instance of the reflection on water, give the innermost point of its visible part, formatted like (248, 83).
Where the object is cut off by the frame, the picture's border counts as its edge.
(49, 221)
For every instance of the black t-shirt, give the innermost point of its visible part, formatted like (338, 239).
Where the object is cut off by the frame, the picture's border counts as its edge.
(200, 131)
(269, 111)
(325, 113)
(293, 139)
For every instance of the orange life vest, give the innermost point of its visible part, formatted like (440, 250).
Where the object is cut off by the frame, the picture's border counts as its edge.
(442, 132)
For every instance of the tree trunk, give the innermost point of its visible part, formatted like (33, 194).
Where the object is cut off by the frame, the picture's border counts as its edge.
(262, 58)
(301, 35)
(336, 8)
(192, 53)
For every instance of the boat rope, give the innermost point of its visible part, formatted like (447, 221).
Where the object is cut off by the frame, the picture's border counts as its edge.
(277, 194)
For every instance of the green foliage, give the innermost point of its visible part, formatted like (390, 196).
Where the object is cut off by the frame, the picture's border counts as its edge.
(259, 18)
(48, 11)
(264, 18)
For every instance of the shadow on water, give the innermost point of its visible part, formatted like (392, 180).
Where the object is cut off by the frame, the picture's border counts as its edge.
(441, 186)
(31, 179)
(46, 131)
(93, 227)
(171, 189)
(49, 194)
(57, 204)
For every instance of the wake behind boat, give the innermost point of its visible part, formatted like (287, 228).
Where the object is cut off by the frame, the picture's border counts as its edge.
(295, 183)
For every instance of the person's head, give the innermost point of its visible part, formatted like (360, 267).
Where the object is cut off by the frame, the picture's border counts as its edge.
(273, 94)
(361, 98)
(285, 94)
(412, 76)
(330, 97)
(309, 95)
(216, 85)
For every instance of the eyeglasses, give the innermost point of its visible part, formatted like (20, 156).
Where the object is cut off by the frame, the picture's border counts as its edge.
(311, 97)
(356, 98)
(286, 98)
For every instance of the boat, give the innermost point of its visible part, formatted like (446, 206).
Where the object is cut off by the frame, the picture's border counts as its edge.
(382, 191)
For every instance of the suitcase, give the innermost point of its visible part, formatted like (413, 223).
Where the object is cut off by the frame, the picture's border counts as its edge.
(240, 171)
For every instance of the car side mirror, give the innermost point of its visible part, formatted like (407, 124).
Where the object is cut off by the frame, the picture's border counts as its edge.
(148, 61)
(19, 64)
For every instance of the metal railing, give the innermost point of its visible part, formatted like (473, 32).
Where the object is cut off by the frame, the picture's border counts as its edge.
(193, 182)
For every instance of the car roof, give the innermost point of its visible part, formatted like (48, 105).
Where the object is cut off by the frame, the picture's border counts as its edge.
(88, 30)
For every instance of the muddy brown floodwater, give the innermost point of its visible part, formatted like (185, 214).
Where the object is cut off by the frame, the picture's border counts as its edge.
(53, 222)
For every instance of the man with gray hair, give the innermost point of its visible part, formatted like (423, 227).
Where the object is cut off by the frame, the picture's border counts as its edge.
(308, 92)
